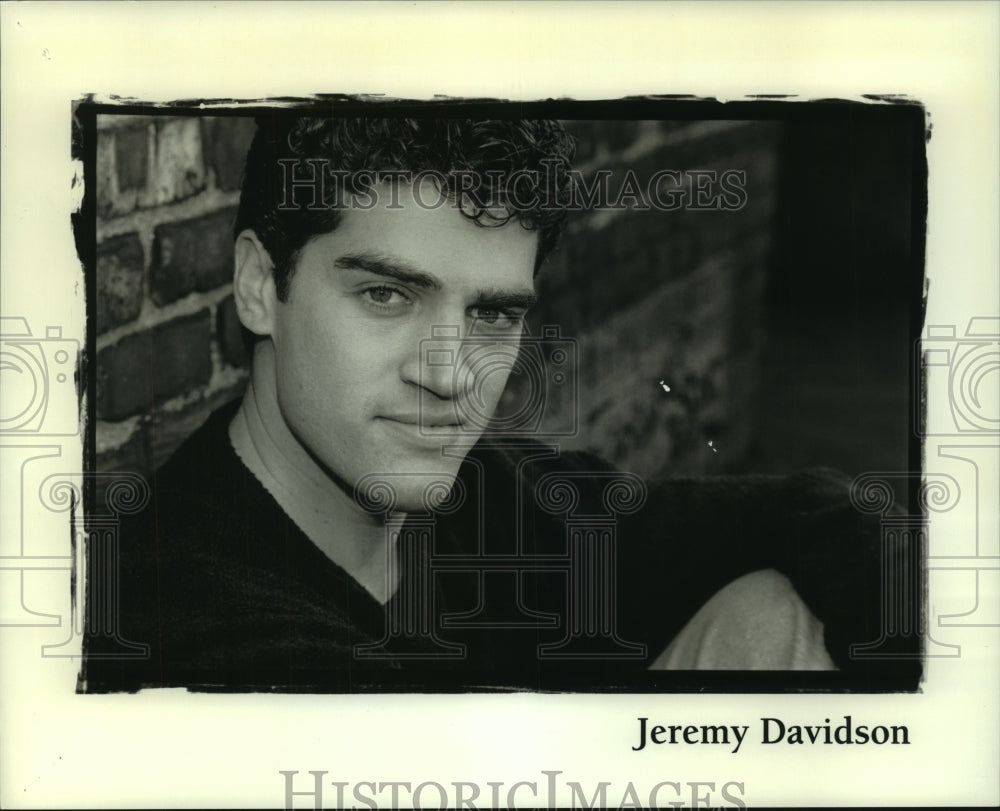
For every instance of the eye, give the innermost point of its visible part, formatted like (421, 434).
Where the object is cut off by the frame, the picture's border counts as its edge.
(380, 295)
(494, 319)
(385, 299)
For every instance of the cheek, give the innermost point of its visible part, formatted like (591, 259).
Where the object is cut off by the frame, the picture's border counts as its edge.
(486, 378)
(498, 364)
(307, 367)
(497, 380)
(334, 366)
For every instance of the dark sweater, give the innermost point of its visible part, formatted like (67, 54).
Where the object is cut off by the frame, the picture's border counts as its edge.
(229, 593)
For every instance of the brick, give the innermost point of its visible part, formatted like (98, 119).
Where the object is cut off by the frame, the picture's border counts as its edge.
(130, 455)
(617, 135)
(602, 270)
(670, 127)
(702, 333)
(105, 168)
(135, 146)
(225, 142)
(592, 135)
(168, 429)
(131, 157)
(149, 367)
(157, 436)
(192, 255)
(120, 267)
(669, 295)
(615, 264)
(122, 166)
(179, 167)
(117, 122)
(229, 333)
(583, 134)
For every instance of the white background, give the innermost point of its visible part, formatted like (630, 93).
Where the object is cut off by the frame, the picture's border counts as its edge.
(171, 748)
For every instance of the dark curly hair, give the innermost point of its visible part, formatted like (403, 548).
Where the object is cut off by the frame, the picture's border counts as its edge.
(534, 156)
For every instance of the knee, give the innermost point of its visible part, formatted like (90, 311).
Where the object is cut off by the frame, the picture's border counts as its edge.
(756, 622)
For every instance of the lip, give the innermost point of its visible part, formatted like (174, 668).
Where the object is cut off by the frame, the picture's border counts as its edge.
(426, 423)
(428, 432)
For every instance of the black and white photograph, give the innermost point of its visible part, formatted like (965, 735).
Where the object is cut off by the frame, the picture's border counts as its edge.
(576, 403)
(499, 405)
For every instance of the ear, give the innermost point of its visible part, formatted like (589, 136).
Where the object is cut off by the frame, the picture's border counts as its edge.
(253, 284)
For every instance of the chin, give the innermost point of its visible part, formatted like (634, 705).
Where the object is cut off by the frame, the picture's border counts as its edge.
(409, 487)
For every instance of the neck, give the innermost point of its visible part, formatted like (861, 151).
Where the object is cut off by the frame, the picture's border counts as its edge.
(314, 500)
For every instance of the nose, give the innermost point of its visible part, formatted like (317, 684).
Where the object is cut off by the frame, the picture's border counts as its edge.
(435, 367)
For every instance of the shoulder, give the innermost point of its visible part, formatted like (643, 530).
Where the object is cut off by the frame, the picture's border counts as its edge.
(205, 460)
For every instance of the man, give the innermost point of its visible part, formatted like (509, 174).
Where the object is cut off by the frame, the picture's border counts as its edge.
(352, 523)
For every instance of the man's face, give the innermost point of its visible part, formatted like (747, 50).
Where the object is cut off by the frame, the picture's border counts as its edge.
(353, 380)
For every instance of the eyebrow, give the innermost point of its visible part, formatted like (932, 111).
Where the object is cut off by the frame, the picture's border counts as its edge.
(403, 271)
(387, 266)
(491, 298)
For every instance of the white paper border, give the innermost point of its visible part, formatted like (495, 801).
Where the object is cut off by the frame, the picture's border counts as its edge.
(171, 748)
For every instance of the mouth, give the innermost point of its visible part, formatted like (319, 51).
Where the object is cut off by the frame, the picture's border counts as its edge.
(442, 425)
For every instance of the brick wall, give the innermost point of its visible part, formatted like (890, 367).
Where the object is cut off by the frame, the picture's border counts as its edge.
(667, 295)
(647, 295)
(168, 343)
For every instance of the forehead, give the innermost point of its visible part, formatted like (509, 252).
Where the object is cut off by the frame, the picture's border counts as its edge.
(418, 224)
